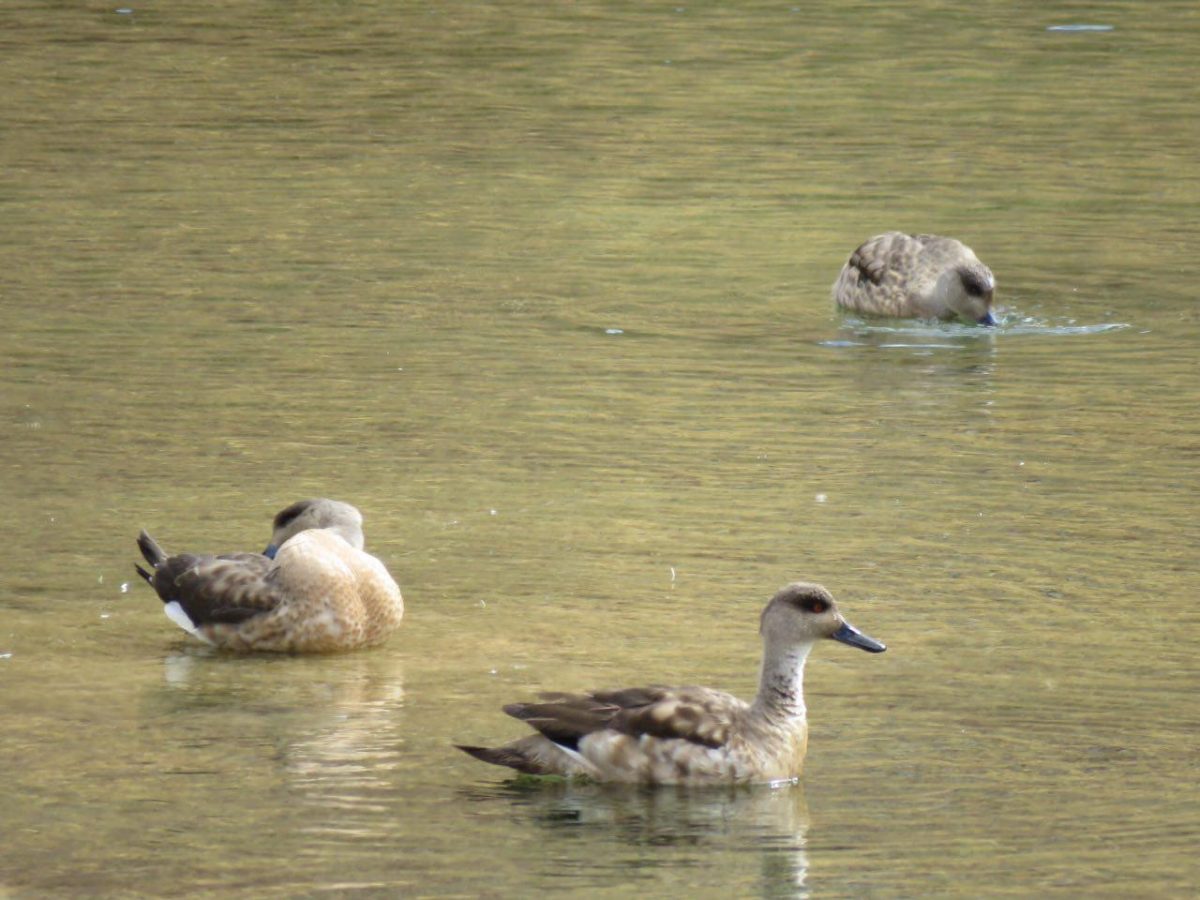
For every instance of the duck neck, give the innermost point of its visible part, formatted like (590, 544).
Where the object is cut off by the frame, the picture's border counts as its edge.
(781, 683)
(350, 533)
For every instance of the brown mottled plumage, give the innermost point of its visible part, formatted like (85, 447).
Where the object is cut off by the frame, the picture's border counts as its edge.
(689, 735)
(916, 276)
(313, 591)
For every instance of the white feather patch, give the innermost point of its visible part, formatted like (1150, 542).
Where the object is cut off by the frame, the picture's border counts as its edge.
(587, 764)
(176, 614)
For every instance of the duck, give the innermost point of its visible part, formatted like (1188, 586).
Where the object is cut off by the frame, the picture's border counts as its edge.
(922, 276)
(688, 735)
(312, 590)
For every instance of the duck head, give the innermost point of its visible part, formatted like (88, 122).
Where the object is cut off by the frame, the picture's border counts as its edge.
(340, 518)
(803, 613)
(969, 291)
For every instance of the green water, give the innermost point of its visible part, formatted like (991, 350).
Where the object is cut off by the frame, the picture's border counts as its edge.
(544, 290)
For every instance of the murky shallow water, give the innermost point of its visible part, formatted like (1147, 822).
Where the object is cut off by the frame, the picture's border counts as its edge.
(546, 294)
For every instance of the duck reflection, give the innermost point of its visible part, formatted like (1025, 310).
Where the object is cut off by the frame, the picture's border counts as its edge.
(349, 761)
(335, 723)
(761, 826)
(917, 365)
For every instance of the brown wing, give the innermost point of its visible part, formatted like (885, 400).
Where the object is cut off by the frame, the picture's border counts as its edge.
(697, 715)
(894, 252)
(211, 589)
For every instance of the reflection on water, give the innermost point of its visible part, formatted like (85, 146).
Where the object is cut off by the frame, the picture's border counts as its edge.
(339, 759)
(675, 827)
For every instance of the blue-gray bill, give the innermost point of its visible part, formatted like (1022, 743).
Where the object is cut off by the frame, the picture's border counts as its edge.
(848, 634)
(270, 552)
(987, 318)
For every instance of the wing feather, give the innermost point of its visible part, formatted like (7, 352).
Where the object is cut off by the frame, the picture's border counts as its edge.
(218, 589)
(697, 715)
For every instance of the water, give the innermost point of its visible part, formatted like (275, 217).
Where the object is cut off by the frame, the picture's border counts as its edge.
(545, 291)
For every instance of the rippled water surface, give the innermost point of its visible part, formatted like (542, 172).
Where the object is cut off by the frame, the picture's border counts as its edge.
(544, 289)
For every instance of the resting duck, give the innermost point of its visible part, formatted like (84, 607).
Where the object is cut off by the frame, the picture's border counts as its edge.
(916, 276)
(313, 590)
(688, 735)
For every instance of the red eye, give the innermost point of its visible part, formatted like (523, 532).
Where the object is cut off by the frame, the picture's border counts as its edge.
(818, 606)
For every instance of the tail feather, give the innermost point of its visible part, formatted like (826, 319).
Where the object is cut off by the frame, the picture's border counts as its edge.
(534, 755)
(154, 554)
(507, 756)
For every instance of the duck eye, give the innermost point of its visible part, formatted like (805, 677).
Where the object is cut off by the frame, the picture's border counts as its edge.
(817, 606)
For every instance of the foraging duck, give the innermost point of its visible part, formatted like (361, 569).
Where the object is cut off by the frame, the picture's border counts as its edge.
(313, 590)
(916, 276)
(689, 735)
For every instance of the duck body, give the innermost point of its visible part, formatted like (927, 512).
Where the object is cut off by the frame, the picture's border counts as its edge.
(314, 591)
(688, 735)
(916, 276)
(655, 735)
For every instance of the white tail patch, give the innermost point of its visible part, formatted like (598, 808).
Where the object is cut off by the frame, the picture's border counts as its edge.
(578, 757)
(176, 614)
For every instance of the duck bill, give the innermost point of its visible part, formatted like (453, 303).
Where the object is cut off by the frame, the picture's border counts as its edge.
(270, 552)
(988, 318)
(848, 634)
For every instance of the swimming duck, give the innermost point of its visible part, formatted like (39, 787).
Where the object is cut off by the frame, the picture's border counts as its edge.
(916, 276)
(688, 735)
(313, 589)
